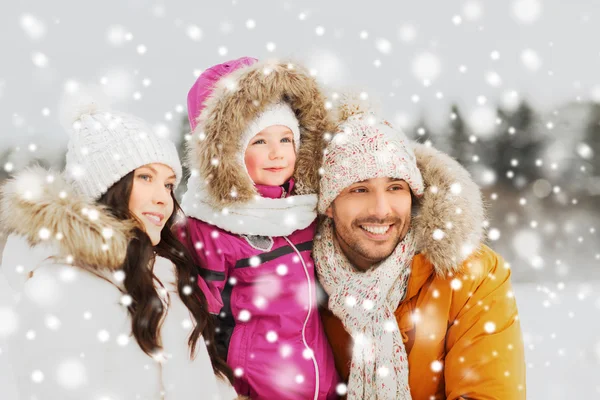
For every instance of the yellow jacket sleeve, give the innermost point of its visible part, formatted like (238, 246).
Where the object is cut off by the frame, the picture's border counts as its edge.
(484, 345)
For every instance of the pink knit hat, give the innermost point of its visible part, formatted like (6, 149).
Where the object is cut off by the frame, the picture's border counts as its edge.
(206, 82)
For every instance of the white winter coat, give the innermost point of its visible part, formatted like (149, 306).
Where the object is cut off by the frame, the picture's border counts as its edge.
(73, 338)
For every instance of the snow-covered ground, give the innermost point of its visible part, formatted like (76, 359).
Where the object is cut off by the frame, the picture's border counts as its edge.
(561, 329)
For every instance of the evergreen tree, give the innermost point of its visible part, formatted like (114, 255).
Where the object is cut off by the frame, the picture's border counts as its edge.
(592, 139)
(516, 147)
(458, 134)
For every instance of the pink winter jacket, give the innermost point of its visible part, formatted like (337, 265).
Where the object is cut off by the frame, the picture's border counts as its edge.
(266, 300)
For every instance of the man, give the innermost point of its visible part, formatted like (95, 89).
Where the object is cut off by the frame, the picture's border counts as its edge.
(418, 306)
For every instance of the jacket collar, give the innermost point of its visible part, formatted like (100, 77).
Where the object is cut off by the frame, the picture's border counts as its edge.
(42, 207)
(449, 221)
(275, 192)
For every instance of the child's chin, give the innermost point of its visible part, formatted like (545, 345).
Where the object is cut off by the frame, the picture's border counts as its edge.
(274, 181)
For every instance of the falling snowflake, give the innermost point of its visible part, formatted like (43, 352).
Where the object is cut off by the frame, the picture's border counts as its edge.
(472, 10)
(493, 79)
(531, 60)
(407, 33)
(9, 322)
(341, 389)
(71, 374)
(331, 68)
(456, 284)
(33, 26)
(482, 121)
(437, 366)
(254, 261)
(271, 336)
(438, 234)
(585, 151)
(117, 35)
(52, 322)
(383, 45)
(244, 316)
(285, 351)
(119, 84)
(526, 11)
(103, 336)
(426, 66)
(37, 376)
(39, 59)
(282, 270)
(489, 327)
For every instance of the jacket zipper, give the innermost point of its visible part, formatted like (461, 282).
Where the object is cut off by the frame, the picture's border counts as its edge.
(310, 296)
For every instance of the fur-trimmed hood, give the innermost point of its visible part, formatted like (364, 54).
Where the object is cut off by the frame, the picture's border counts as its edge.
(214, 151)
(448, 224)
(43, 208)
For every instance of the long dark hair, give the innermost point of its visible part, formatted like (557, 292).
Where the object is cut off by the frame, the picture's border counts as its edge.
(146, 309)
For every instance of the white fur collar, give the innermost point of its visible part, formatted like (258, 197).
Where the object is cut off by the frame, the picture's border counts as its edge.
(263, 216)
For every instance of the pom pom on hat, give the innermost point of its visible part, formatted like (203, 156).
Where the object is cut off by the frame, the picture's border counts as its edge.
(84, 100)
(349, 103)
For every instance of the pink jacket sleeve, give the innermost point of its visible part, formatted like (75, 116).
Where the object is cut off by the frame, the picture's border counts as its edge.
(209, 252)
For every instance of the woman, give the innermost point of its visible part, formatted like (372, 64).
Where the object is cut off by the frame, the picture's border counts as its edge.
(113, 311)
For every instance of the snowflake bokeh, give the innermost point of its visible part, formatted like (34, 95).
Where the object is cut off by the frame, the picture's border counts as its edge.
(494, 84)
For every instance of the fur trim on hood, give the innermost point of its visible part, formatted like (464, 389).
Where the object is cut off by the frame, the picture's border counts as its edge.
(214, 150)
(42, 207)
(449, 222)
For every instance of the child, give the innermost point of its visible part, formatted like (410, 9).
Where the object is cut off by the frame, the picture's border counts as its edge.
(258, 138)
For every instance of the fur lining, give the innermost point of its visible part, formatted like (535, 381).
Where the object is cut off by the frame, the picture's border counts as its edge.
(233, 104)
(41, 206)
(452, 204)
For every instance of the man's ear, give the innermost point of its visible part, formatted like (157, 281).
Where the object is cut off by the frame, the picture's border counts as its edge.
(329, 211)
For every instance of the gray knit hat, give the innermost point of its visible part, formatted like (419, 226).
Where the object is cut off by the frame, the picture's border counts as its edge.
(105, 146)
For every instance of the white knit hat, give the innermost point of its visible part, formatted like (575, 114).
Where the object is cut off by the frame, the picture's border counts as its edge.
(276, 114)
(365, 148)
(105, 146)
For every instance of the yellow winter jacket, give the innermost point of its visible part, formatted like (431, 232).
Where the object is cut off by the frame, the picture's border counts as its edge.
(461, 333)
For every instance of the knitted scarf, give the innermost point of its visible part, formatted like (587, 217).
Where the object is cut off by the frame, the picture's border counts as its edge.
(365, 303)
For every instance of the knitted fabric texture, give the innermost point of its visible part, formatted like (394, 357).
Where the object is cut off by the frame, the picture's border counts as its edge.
(365, 303)
(276, 114)
(366, 148)
(106, 146)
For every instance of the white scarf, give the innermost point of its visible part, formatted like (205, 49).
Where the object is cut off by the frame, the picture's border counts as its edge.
(365, 303)
(262, 217)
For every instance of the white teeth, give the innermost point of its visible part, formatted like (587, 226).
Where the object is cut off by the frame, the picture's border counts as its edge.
(380, 230)
(153, 218)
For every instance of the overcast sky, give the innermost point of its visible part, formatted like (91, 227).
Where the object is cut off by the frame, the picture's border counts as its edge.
(416, 56)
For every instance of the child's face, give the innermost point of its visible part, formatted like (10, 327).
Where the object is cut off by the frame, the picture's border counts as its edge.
(271, 156)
